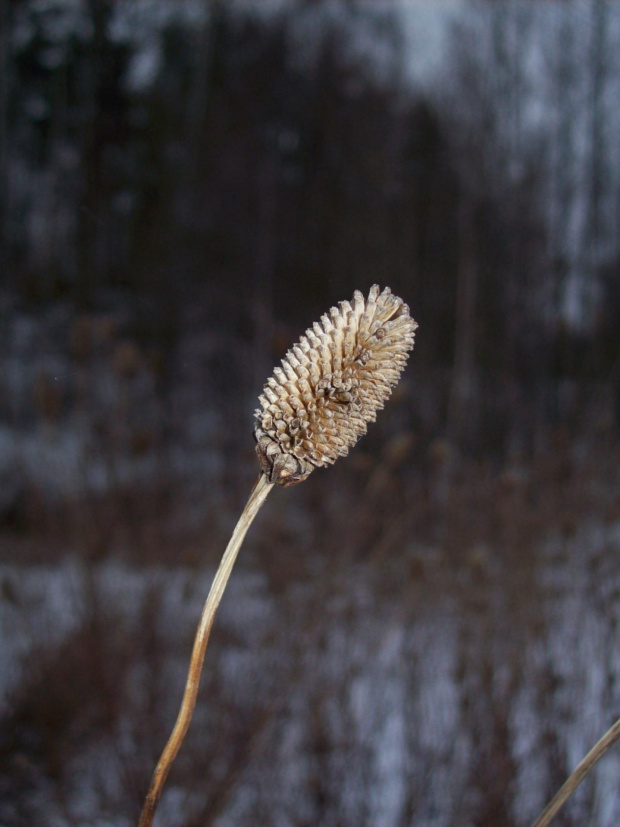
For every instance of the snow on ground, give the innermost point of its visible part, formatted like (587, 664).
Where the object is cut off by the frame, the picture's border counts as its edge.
(407, 702)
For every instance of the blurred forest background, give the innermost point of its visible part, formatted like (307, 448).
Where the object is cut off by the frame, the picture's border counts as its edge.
(426, 633)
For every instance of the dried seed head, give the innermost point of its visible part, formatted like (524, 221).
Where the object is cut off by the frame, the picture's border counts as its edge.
(331, 384)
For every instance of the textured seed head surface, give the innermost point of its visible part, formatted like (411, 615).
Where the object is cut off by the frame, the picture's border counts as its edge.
(331, 384)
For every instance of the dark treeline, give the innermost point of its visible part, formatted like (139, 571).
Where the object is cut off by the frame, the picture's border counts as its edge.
(266, 162)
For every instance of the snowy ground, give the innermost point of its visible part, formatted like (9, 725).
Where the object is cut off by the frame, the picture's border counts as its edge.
(355, 676)
(381, 702)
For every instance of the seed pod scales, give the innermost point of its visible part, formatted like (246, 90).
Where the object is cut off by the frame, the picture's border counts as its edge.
(331, 384)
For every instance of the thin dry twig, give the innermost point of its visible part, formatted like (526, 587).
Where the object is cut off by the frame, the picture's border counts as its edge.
(257, 498)
(577, 776)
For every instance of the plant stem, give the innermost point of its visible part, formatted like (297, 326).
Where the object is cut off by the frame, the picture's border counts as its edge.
(257, 498)
(577, 776)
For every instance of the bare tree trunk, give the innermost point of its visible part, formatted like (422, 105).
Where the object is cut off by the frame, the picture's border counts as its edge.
(265, 265)
(197, 111)
(461, 409)
(90, 265)
(509, 34)
(5, 200)
(562, 188)
(593, 236)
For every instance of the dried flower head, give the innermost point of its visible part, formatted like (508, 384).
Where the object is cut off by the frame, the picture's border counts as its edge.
(314, 408)
(331, 384)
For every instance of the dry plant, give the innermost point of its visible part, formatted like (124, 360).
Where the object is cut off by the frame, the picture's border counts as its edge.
(577, 776)
(313, 409)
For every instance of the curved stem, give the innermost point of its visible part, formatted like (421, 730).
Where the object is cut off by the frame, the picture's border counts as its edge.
(577, 776)
(257, 498)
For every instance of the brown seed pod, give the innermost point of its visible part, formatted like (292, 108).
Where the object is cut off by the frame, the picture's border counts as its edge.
(331, 384)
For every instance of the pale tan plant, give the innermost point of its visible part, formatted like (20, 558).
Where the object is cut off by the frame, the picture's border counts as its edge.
(313, 409)
(579, 773)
